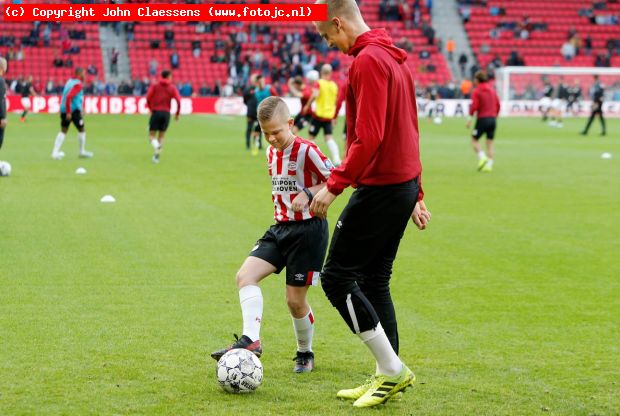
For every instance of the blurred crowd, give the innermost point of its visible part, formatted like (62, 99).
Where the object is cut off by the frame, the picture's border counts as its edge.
(576, 44)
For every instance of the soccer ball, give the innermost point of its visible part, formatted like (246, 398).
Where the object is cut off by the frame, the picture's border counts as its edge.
(239, 371)
(5, 168)
(437, 120)
(312, 75)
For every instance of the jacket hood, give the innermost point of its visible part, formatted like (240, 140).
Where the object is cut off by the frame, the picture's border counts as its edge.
(378, 37)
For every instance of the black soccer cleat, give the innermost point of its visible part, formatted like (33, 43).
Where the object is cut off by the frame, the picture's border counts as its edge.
(243, 342)
(304, 362)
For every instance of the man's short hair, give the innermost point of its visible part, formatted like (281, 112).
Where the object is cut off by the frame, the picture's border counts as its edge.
(341, 8)
(272, 107)
(3, 64)
(481, 76)
(166, 73)
(79, 71)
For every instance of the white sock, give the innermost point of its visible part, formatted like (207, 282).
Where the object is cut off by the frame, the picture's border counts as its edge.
(154, 143)
(82, 141)
(490, 163)
(379, 345)
(60, 137)
(304, 329)
(481, 154)
(335, 152)
(251, 299)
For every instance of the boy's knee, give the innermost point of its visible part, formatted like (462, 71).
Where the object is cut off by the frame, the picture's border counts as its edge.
(242, 278)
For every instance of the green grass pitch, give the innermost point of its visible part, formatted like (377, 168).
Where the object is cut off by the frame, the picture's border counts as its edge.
(509, 304)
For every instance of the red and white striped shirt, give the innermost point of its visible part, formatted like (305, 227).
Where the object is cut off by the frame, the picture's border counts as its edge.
(300, 165)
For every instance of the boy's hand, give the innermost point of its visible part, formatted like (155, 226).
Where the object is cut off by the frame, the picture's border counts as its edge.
(300, 202)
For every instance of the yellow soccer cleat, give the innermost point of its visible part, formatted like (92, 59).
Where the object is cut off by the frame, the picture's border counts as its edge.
(383, 388)
(487, 168)
(356, 393)
(482, 162)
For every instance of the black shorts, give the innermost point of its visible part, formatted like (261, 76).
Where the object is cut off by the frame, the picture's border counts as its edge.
(256, 127)
(300, 121)
(317, 125)
(1, 136)
(297, 245)
(159, 121)
(484, 125)
(76, 119)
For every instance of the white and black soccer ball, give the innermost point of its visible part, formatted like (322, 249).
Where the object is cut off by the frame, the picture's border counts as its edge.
(5, 168)
(239, 371)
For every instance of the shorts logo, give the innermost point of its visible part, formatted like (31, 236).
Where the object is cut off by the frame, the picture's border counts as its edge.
(339, 224)
(475, 132)
(300, 277)
(292, 166)
(255, 247)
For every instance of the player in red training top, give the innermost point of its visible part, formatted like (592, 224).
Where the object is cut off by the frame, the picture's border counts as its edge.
(302, 90)
(298, 239)
(158, 100)
(485, 104)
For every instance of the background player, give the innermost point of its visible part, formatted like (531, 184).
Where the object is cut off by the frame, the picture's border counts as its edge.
(297, 241)
(303, 90)
(158, 100)
(432, 95)
(574, 95)
(27, 92)
(71, 111)
(249, 99)
(325, 94)
(262, 91)
(597, 94)
(3, 121)
(485, 106)
(546, 100)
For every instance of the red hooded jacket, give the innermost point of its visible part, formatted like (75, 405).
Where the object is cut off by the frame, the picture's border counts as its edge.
(382, 117)
(159, 96)
(484, 100)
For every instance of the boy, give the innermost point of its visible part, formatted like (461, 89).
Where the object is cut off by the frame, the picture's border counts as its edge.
(297, 241)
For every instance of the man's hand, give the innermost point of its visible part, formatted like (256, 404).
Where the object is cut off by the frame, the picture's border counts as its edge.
(68, 117)
(420, 216)
(176, 117)
(3, 123)
(300, 202)
(321, 202)
(468, 124)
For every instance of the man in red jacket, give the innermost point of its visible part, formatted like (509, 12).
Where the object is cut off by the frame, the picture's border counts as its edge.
(485, 104)
(158, 100)
(383, 163)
